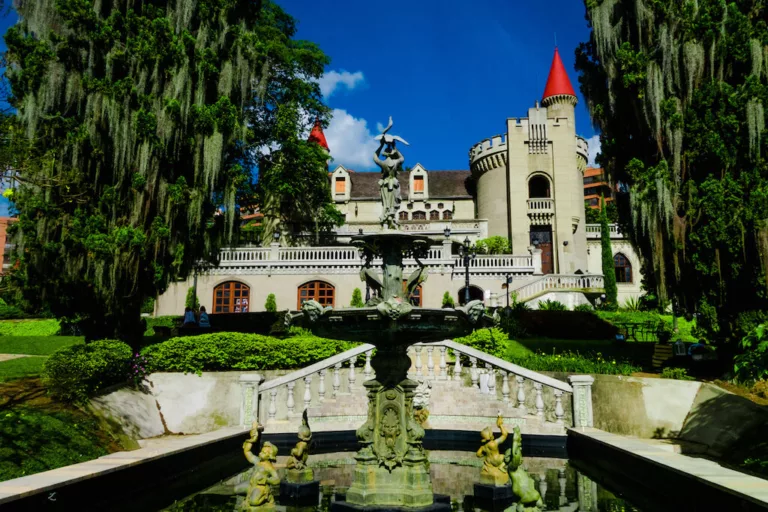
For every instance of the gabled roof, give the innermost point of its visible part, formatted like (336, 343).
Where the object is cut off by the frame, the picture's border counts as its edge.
(558, 82)
(441, 184)
(317, 135)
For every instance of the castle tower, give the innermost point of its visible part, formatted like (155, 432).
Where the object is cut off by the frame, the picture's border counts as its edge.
(529, 184)
(317, 136)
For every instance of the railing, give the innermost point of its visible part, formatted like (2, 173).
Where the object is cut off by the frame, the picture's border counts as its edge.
(430, 362)
(246, 255)
(318, 254)
(557, 282)
(497, 261)
(541, 205)
(594, 231)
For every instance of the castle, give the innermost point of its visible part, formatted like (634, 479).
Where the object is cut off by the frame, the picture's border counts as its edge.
(526, 185)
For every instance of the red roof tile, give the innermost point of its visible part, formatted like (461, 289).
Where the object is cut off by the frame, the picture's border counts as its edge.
(558, 82)
(317, 135)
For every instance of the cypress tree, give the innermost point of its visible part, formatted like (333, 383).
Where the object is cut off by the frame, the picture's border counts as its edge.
(609, 272)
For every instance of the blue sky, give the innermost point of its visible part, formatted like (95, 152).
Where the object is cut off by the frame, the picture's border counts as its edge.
(450, 72)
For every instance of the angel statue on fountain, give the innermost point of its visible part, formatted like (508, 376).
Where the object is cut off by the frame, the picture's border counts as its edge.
(388, 184)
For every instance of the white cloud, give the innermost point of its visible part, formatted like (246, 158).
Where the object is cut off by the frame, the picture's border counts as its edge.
(380, 127)
(351, 142)
(594, 149)
(332, 80)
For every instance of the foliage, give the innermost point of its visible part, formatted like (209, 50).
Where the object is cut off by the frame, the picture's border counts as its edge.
(448, 300)
(631, 304)
(609, 271)
(573, 362)
(593, 214)
(48, 327)
(491, 340)
(675, 373)
(36, 345)
(493, 245)
(584, 308)
(21, 367)
(510, 322)
(141, 122)
(235, 351)
(685, 327)
(138, 369)
(678, 91)
(74, 373)
(748, 321)
(270, 304)
(753, 363)
(11, 313)
(148, 307)
(160, 321)
(192, 302)
(552, 305)
(34, 440)
(357, 299)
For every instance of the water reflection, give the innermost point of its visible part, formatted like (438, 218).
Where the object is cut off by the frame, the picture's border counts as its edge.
(453, 473)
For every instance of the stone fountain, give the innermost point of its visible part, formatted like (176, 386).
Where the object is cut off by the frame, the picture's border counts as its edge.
(392, 469)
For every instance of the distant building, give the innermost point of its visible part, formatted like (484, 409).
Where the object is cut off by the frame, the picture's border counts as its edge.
(5, 246)
(596, 184)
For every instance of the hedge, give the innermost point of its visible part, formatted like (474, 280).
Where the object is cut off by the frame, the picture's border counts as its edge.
(566, 325)
(492, 341)
(74, 373)
(47, 327)
(573, 362)
(237, 351)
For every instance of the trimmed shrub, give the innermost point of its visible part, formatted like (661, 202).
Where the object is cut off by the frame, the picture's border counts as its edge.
(47, 327)
(584, 308)
(493, 245)
(192, 301)
(491, 341)
(357, 299)
(74, 373)
(675, 373)
(271, 304)
(237, 351)
(161, 321)
(552, 305)
(566, 325)
(448, 300)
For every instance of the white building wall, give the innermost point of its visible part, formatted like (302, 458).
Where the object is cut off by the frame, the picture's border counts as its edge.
(595, 264)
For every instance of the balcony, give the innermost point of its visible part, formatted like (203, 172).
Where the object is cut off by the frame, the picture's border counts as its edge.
(593, 232)
(541, 210)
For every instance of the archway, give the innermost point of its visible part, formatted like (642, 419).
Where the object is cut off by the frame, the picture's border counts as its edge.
(475, 293)
(538, 186)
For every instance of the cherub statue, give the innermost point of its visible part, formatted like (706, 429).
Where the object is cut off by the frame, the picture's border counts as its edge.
(265, 460)
(388, 185)
(523, 485)
(494, 470)
(300, 452)
(259, 495)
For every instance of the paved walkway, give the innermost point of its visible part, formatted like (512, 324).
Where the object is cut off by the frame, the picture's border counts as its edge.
(8, 357)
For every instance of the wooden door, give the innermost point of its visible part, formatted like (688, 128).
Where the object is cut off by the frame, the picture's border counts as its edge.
(547, 260)
(541, 237)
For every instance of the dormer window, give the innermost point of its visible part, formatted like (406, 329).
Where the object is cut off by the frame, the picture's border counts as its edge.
(418, 184)
(341, 185)
(434, 215)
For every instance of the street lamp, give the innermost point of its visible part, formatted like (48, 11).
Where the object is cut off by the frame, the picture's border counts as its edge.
(508, 281)
(447, 232)
(276, 236)
(468, 254)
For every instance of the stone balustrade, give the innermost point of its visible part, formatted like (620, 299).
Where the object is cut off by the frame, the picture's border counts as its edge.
(559, 282)
(594, 231)
(541, 205)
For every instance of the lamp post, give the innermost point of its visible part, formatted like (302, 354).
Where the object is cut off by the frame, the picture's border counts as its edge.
(467, 254)
(508, 280)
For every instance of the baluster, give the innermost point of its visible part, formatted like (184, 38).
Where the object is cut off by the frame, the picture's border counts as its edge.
(419, 372)
(307, 391)
(321, 387)
(430, 363)
(457, 365)
(562, 481)
(520, 392)
(272, 403)
(539, 400)
(491, 380)
(474, 373)
(559, 413)
(443, 365)
(290, 403)
(543, 485)
(505, 386)
(351, 378)
(336, 379)
(368, 371)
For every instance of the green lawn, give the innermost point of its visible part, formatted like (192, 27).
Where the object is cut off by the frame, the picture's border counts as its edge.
(21, 367)
(637, 353)
(36, 345)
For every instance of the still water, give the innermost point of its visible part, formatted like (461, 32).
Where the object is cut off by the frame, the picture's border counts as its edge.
(561, 486)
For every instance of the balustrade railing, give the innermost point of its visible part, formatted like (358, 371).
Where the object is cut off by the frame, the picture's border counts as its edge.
(556, 282)
(541, 205)
(594, 231)
(496, 261)
(300, 254)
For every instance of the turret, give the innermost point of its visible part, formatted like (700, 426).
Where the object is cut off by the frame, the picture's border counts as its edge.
(559, 89)
(317, 136)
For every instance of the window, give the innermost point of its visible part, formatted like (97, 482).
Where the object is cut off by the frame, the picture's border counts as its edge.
(427, 206)
(418, 184)
(434, 215)
(415, 298)
(538, 186)
(402, 215)
(440, 206)
(623, 268)
(447, 215)
(341, 185)
(319, 291)
(231, 297)
(419, 216)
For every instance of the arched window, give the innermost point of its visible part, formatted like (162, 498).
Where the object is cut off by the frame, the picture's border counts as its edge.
(447, 215)
(623, 268)
(231, 297)
(538, 186)
(320, 291)
(419, 216)
(434, 215)
(402, 215)
(415, 298)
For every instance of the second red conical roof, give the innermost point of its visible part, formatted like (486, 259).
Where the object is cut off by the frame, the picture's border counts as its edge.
(558, 81)
(317, 135)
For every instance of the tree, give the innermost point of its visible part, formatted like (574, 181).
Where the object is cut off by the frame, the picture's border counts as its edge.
(678, 91)
(609, 272)
(493, 245)
(357, 299)
(143, 118)
(271, 304)
(448, 300)
(192, 302)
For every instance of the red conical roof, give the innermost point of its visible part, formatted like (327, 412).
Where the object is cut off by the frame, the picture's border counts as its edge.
(558, 82)
(317, 135)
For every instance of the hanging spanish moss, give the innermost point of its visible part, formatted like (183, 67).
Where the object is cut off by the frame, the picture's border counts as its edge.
(678, 90)
(143, 114)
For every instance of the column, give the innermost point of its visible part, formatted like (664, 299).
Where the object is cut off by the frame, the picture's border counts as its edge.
(536, 253)
(249, 403)
(582, 400)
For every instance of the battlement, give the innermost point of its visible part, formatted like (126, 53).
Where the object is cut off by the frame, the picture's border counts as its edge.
(489, 153)
(582, 147)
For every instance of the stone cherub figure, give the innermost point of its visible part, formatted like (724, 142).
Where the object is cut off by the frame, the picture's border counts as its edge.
(390, 166)
(523, 485)
(259, 495)
(298, 471)
(264, 463)
(494, 471)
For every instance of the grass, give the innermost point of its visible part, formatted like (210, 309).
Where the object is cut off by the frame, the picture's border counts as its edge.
(36, 345)
(684, 327)
(637, 353)
(21, 367)
(35, 327)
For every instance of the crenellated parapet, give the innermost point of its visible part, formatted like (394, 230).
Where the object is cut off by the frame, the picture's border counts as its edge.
(582, 153)
(488, 154)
